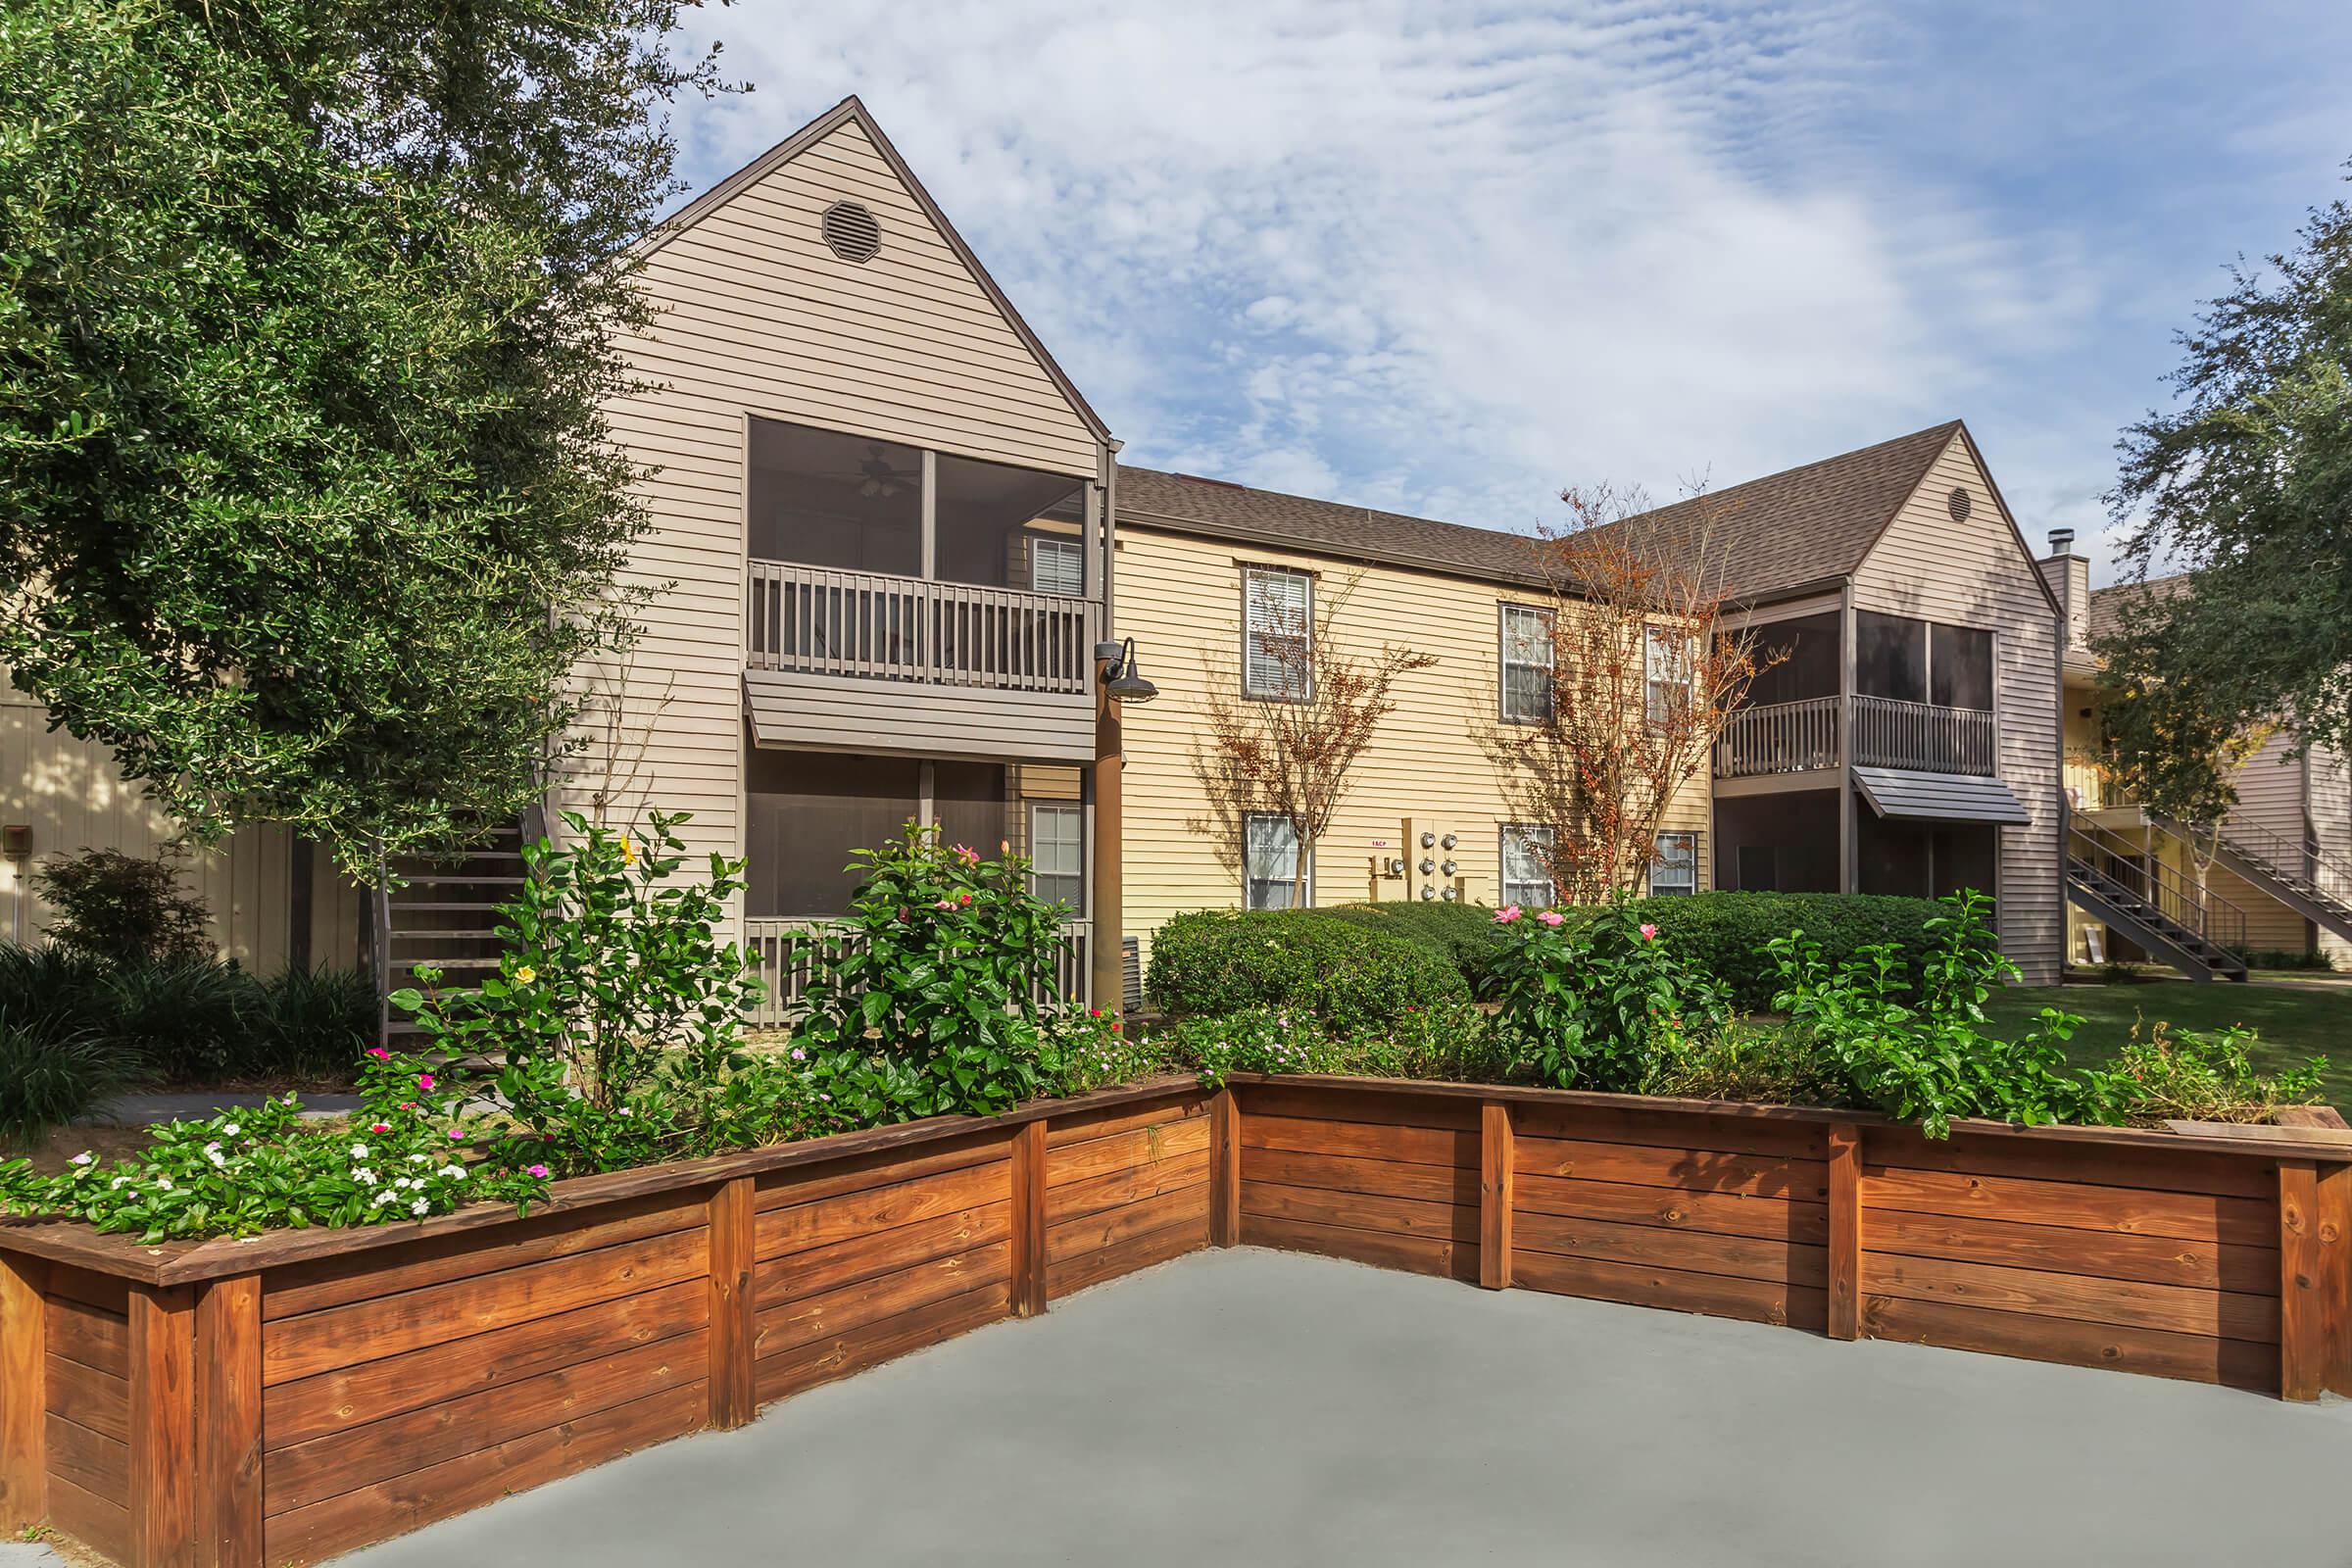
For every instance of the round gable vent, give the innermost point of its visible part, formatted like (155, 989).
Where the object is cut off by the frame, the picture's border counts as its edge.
(851, 232)
(1957, 505)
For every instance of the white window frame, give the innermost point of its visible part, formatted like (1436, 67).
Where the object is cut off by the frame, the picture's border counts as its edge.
(1077, 814)
(1040, 544)
(1669, 664)
(1527, 832)
(1506, 641)
(1657, 859)
(1250, 820)
(1276, 688)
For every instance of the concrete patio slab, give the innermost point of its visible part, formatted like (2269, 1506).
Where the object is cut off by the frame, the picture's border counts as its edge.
(1255, 1407)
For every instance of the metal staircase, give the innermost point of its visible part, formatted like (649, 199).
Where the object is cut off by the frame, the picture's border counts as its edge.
(444, 914)
(2305, 878)
(2118, 882)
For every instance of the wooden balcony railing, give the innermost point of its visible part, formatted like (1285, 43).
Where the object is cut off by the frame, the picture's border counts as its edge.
(1922, 736)
(1779, 738)
(877, 627)
(785, 953)
(1802, 736)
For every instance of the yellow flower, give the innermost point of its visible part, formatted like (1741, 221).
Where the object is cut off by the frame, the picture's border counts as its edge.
(628, 849)
(525, 975)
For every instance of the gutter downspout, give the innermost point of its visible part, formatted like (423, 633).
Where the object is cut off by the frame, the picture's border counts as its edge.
(1107, 951)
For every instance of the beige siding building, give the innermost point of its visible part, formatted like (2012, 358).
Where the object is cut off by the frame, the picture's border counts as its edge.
(1908, 744)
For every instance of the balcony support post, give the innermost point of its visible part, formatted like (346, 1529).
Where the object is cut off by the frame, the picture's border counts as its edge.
(1106, 947)
(1847, 828)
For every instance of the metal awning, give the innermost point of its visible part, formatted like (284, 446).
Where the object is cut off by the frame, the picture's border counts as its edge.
(1899, 793)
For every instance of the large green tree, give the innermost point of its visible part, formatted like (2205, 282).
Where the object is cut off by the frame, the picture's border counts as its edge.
(2248, 483)
(308, 311)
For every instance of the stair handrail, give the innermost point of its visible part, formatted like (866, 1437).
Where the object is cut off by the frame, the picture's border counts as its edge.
(2330, 875)
(2207, 915)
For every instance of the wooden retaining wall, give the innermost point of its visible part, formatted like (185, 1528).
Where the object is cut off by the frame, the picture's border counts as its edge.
(2217, 1254)
(303, 1393)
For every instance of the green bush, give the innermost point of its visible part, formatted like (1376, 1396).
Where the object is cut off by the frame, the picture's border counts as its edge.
(2208, 1077)
(1306, 960)
(1592, 1002)
(1464, 934)
(1728, 935)
(53, 1071)
(1453, 1042)
(125, 909)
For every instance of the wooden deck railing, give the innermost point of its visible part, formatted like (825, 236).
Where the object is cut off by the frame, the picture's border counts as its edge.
(878, 626)
(786, 952)
(1802, 736)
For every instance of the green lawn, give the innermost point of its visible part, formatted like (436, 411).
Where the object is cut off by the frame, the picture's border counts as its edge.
(2295, 1025)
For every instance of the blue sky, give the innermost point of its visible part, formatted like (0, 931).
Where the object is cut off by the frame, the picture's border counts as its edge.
(1448, 258)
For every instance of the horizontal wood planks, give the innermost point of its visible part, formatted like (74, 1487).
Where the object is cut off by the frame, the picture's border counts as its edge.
(1124, 1190)
(405, 1386)
(2093, 1257)
(1697, 1213)
(1391, 1180)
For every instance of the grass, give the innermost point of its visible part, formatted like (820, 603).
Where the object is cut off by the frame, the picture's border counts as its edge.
(2295, 1025)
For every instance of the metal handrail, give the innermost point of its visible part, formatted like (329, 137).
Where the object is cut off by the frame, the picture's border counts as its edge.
(2209, 915)
(1929, 737)
(1795, 737)
(881, 627)
(2329, 876)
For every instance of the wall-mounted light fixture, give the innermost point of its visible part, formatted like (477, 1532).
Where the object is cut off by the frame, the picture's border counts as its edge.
(1120, 679)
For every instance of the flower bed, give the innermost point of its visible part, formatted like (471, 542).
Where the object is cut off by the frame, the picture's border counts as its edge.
(301, 1394)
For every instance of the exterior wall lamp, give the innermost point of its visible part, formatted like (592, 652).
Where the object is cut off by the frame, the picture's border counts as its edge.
(1120, 677)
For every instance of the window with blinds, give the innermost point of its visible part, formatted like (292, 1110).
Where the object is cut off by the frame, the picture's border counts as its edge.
(1057, 566)
(1668, 663)
(1278, 618)
(1056, 854)
(1527, 654)
(1270, 863)
(1674, 867)
(1526, 879)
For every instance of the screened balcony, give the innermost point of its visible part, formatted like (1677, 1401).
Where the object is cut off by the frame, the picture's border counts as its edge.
(1921, 701)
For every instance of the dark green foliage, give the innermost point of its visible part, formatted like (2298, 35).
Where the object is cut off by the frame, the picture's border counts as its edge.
(123, 908)
(315, 1023)
(1309, 961)
(2283, 958)
(53, 1071)
(1726, 933)
(307, 315)
(1592, 1002)
(1465, 933)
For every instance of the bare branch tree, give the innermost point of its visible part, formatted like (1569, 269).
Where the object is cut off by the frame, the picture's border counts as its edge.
(1624, 680)
(1290, 718)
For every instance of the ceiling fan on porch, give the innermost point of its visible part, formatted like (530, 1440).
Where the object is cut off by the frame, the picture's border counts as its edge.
(878, 477)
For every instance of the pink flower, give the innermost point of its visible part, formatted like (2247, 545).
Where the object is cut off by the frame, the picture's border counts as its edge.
(539, 1171)
(963, 898)
(1650, 933)
(455, 1137)
(424, 1080)
(378, 1053)
(380, 1127)
(1549, 918)
(945, 903)
(1506, 914)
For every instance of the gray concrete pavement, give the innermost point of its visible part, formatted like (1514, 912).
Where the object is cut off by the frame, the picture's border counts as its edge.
(1250, 1407)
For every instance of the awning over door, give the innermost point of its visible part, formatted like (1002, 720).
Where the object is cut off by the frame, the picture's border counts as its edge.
(1895, 792)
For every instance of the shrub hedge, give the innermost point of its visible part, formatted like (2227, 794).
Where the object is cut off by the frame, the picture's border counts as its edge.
(1724, 933)
(1347, 975)
(1465, 935)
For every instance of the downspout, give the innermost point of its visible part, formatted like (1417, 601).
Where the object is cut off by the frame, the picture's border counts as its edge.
(1847, 827)
(1106, 948)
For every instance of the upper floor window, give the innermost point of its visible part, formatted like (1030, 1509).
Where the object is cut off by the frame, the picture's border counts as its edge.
(819, 498)
(1527, 667)
(1674, 867)
(1526, 871)
(1911, 661)
(1668, 667)
(1278, 619)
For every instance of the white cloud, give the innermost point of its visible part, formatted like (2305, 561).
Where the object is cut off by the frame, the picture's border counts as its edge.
(1446, 258)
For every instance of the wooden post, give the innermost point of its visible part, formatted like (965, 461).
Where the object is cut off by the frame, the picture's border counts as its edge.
(24, 1393)
(734, 1397)
(229, 1417)
(1029, 1220)
(2335, 1257)
(1224, 1170)
(2302, 1276)
(1845, 1231)
(1495, 1196)
(165, 1528)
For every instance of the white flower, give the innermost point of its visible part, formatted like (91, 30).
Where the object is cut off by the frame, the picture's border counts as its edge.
(359, 1151)
(456, 1173)
(381, 1198)
(230, 1130)
(163, 1184)
(419, 1206)
(420, 1160)
(117, 1182)
(84, 1157)
(363, 1176)
(401, 1185)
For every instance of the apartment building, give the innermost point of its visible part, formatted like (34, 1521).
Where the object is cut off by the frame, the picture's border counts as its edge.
(1905, 742)
(2280, 873)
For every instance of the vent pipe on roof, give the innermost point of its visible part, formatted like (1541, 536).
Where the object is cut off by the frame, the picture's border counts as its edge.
(2062, 541)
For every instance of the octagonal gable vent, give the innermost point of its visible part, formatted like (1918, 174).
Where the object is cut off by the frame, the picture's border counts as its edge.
(851, 232)
(1957, 504)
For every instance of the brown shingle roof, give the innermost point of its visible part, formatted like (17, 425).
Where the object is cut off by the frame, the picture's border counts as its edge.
(1800, 527)
(2107, 603)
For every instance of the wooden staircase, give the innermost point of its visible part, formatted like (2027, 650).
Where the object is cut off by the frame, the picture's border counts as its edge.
(443, 915)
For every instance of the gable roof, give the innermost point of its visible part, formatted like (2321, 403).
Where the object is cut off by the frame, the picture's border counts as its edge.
(1804, 527)
(853, 108)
